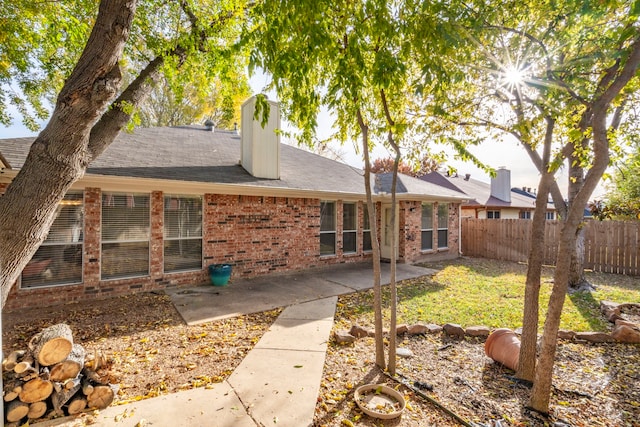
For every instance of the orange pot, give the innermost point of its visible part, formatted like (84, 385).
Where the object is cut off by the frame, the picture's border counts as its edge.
(503, 346)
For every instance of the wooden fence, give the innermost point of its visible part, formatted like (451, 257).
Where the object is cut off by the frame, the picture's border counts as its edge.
(610, 246)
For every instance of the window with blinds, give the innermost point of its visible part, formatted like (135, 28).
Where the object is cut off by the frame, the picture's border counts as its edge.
(58, 261)
(349, 227)
(443, 226)
(327, 228)
(182, 233)
(427, 227)
(125, 235)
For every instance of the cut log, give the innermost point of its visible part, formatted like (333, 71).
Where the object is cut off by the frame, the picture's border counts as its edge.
(37, 410)
(12, 360)
(87, 387)
(52, 345)
(25, 366)
(70, 367)
(101, 397)
(11, 390)
(35, 390)
(77, 404)
(71, 383)
(16, 411)
(60, 398)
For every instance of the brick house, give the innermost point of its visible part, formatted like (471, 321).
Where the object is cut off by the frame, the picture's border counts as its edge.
(494, 200)
(161, 204)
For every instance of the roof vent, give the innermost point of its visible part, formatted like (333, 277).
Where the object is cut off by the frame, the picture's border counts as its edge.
(209, 125)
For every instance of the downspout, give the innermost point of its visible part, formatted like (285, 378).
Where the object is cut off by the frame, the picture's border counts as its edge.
(460, 229)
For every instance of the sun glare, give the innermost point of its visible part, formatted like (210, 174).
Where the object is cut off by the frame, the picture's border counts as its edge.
(513, 76)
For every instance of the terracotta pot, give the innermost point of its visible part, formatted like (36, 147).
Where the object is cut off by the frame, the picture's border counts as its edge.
(503, 346)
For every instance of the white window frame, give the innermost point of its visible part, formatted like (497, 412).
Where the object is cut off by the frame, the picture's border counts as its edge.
(350, 231)
(179, 199)
(443, 206)
(428, 229)
(493, 214)
(77, 239)
(331, 231)
(366, 228)
(103, 241)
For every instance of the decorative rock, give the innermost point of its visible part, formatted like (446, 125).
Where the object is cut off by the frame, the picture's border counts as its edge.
(597, 337)
(417, 329)
(620, 322)
(478, 331)
(401, 329)
(403, 352)
(432, 328)
(566, 335)
(626, 334)
(359, 331)
(343, 337)
(611, 310)
(453, 329)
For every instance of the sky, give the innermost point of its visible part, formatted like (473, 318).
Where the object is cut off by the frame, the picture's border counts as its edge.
(508, 153)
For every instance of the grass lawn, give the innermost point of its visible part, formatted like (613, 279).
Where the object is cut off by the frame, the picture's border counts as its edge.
(476, 291)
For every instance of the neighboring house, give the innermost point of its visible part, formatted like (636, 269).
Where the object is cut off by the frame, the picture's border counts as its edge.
(161, 204)
(491, 201)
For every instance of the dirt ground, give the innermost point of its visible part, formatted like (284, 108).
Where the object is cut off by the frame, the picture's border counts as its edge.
(150, 351)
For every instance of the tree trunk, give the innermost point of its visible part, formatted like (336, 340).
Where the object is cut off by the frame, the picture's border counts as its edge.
(59, 155)
(577, 278)
(529, 340)
(375, 244)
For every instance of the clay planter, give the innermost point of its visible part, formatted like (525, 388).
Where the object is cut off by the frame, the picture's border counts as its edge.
(379, 401)
(503, 346)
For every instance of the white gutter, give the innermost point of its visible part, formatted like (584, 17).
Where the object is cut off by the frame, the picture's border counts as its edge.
(134, 184)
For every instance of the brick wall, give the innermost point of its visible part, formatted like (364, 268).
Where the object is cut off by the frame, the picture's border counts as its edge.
(256, 235)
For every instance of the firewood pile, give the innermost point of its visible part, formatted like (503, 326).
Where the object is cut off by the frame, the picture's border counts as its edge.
(51, 378)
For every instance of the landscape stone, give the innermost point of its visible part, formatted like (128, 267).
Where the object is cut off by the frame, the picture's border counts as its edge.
(610, 310)
(403, 352)
(626, 323)
(343, 337)
(432, 328)
(453, 329)
(478, 331)
(626, 334)
(417, 329)
(563, 334)
(597, 337)
(359, 331)
(401, 329)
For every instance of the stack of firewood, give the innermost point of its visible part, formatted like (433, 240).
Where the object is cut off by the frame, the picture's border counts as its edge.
(50, 379)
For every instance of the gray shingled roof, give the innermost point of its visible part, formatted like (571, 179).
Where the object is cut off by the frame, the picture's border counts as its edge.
(191, 153)
(479, 193)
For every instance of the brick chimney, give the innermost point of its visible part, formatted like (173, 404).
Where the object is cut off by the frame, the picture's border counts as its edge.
(501, 185)
(260, 147)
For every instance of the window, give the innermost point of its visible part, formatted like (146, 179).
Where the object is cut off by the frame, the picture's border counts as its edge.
(327, 228)
(427, 227)
(525, 215)
(349, 228)
(443, 226)
(58, 261)
(550, 216)
(493, 214)
(125, 235)
(182, 233)
(366, 230)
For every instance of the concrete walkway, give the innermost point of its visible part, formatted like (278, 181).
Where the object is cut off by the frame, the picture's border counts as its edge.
(278, 381)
